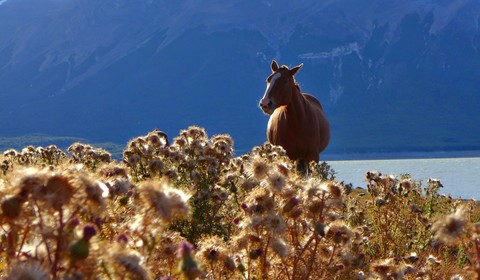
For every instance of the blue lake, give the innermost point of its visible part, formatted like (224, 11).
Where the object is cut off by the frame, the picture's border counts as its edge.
(460, 177)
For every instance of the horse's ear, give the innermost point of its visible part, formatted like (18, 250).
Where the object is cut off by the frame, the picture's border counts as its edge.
(295, 69)
(274, 66)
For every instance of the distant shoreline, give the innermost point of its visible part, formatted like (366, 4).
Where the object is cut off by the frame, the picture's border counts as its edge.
(399, 155)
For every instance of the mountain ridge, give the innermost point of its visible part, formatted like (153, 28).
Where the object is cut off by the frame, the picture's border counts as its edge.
(389, 75)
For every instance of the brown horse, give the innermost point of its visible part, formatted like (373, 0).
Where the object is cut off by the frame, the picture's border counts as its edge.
(297, 120)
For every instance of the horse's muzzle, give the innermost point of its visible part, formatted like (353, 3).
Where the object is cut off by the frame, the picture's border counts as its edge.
(267, 106)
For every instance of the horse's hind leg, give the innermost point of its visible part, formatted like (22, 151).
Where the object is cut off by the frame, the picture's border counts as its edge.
(301, 167)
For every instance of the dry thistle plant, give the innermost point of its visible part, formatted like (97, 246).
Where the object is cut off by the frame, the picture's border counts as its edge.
(89, 156)
(189, 209)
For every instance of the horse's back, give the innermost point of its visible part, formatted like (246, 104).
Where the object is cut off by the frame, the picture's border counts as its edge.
(312, 100)
(319, 122)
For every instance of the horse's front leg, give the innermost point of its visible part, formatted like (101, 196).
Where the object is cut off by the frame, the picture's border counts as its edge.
(302, 167)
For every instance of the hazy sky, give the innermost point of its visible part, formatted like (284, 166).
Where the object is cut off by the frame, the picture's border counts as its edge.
(2, 1)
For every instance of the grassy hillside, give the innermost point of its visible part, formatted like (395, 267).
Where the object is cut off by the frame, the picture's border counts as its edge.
(61, 142)
(189, 209)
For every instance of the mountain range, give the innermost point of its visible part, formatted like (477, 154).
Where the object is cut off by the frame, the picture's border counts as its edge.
(393, 76)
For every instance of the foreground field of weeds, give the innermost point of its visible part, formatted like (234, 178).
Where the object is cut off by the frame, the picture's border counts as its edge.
(189, 209)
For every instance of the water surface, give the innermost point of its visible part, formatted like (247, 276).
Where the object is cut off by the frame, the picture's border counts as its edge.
(459, 176)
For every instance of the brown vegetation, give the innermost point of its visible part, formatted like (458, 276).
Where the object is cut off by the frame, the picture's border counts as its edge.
(190, 209)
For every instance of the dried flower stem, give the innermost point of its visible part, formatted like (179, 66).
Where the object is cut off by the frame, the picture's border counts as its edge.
(42, 230)
(322, 206)
(477, 254)
(10, 245)
(298, 257)
(313, 255)
(264, 259)
(284, 270)
(24, 238)
(58, 251)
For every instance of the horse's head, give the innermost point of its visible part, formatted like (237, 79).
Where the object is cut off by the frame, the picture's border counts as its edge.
(280, 87)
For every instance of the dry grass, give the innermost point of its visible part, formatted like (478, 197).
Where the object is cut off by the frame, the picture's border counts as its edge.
(189, 209)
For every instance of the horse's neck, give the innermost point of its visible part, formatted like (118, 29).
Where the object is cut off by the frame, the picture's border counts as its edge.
(298, 102)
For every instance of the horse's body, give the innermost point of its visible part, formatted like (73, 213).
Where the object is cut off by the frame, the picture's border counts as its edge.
(297, 120)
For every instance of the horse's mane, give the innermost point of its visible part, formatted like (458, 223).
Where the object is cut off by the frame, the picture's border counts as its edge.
(298, 86)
